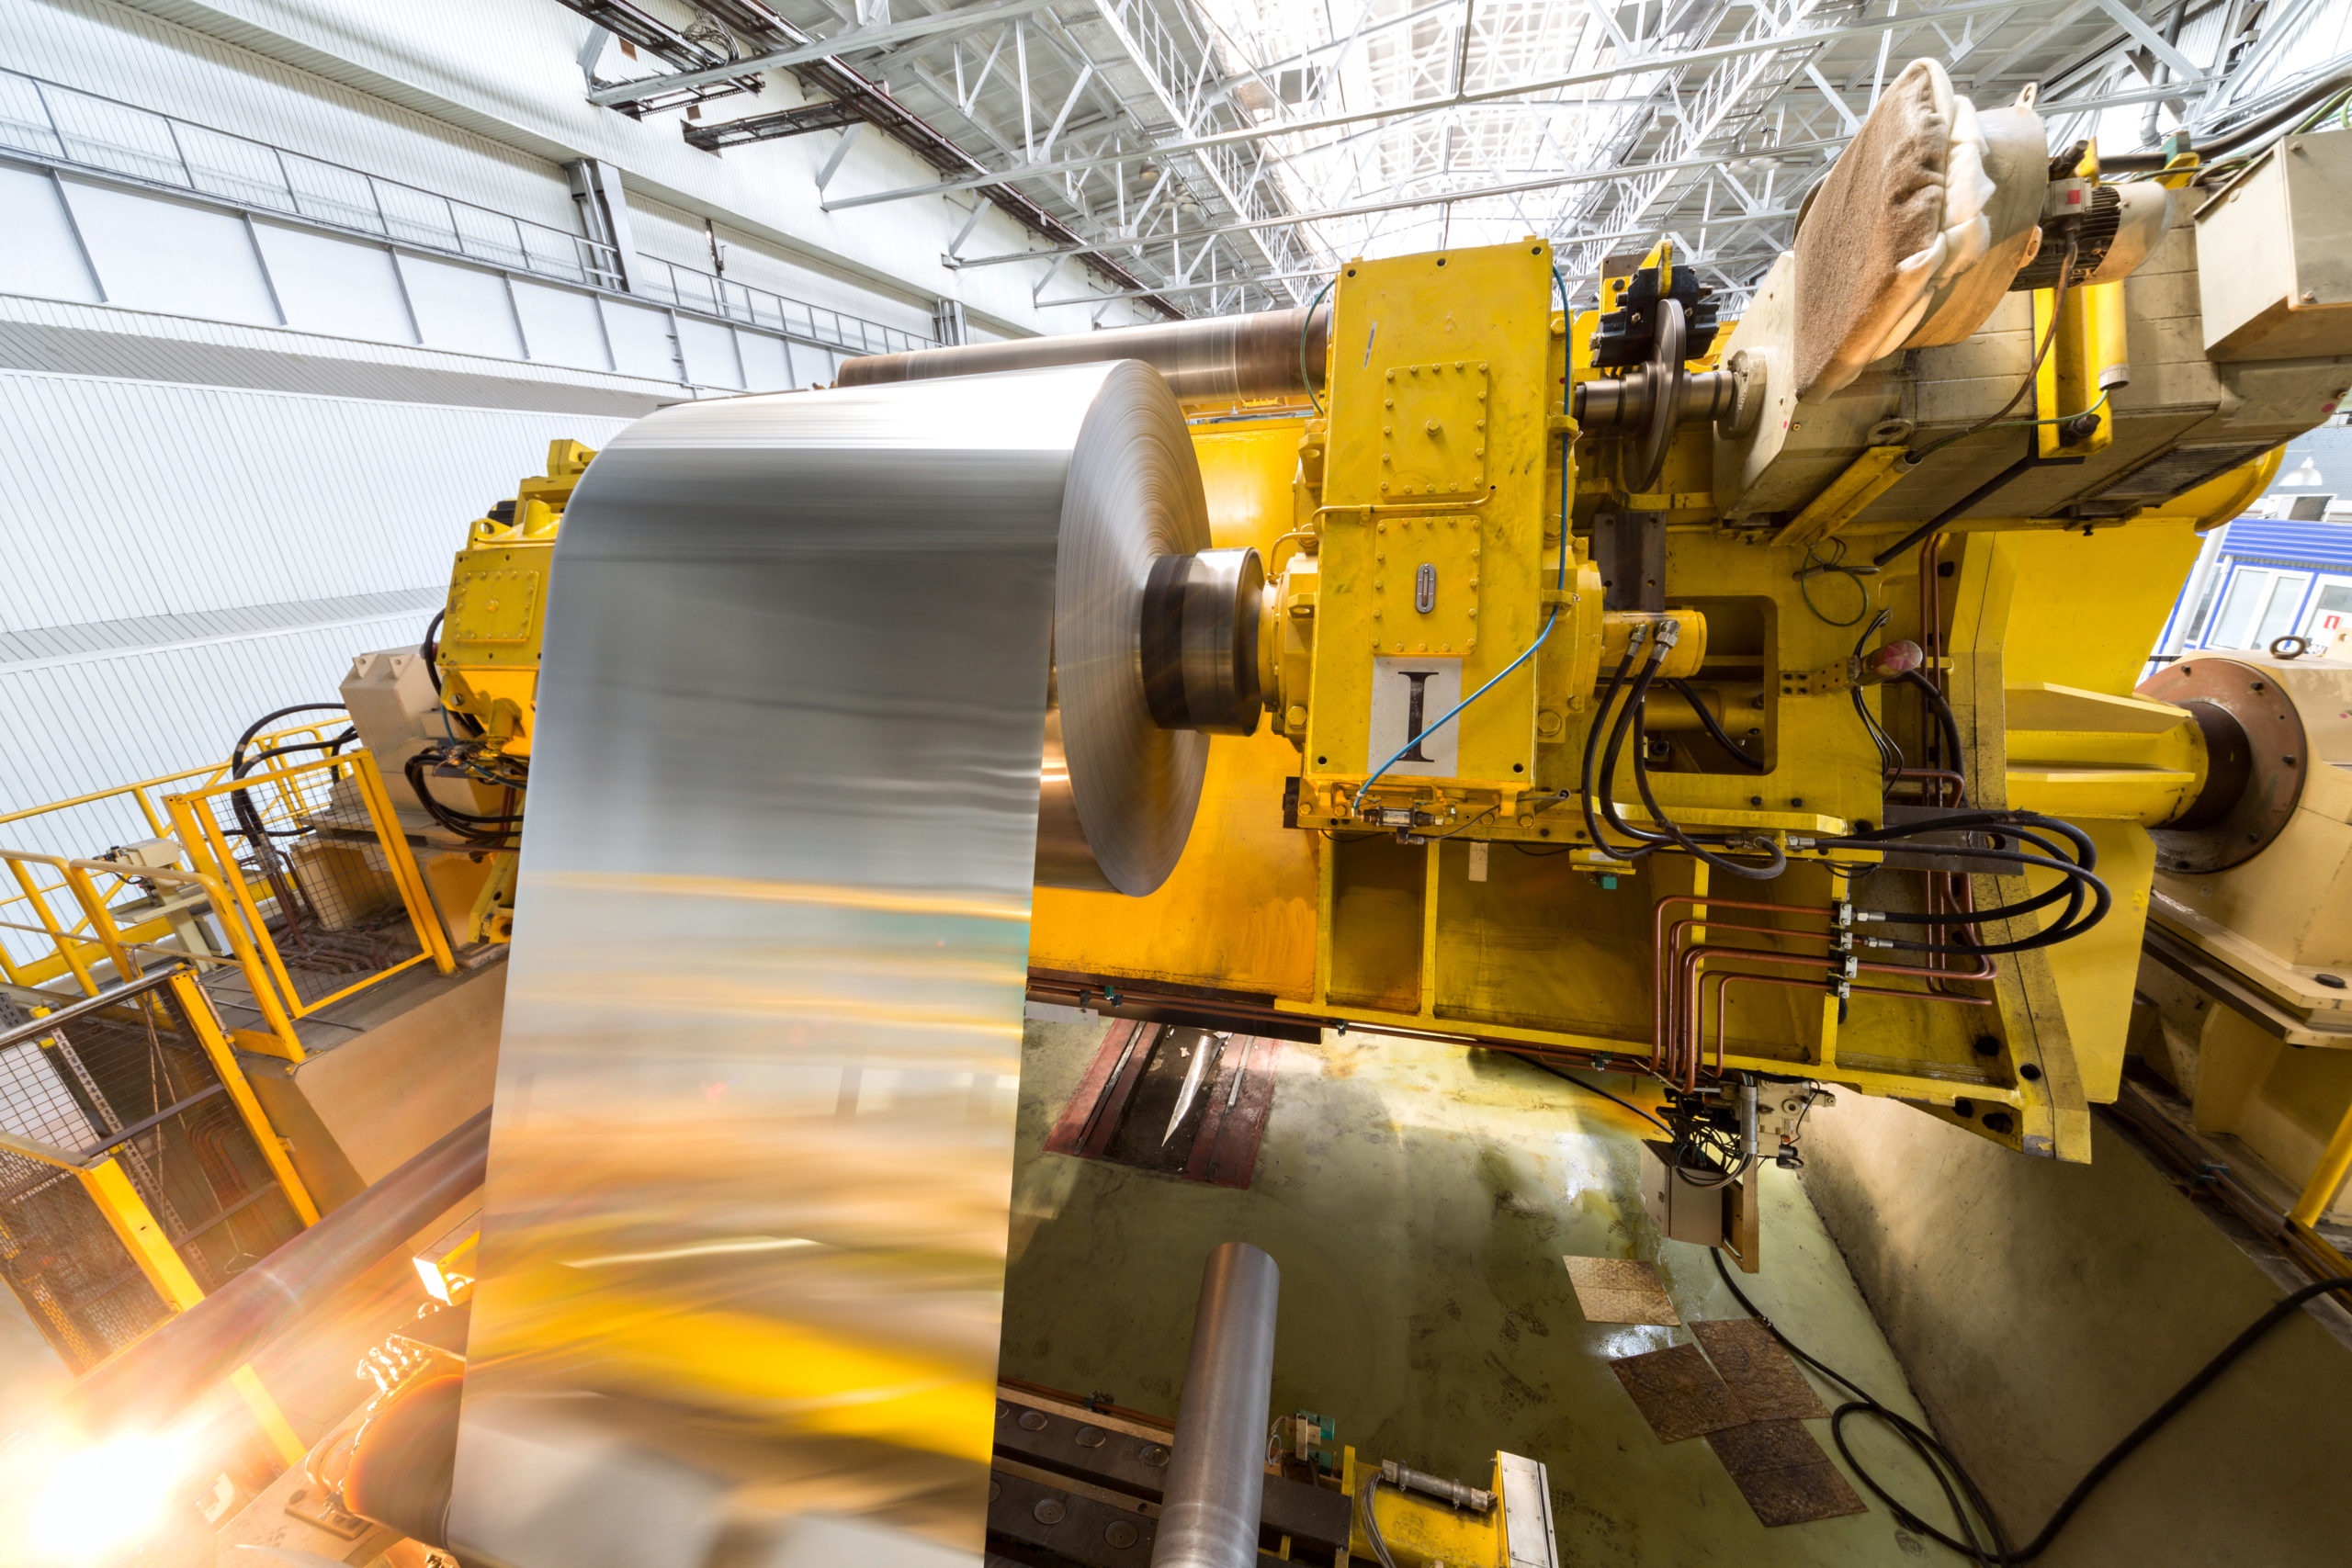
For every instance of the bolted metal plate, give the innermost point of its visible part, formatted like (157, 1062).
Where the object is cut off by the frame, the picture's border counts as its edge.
(2235, 705)
(1433, 428)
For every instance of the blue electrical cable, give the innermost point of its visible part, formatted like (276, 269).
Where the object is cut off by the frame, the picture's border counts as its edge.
(1560, 580)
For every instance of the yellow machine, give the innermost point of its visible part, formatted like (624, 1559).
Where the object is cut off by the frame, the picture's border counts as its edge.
(1922, 597)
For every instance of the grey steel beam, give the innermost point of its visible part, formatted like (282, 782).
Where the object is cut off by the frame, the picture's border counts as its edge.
(823, 49)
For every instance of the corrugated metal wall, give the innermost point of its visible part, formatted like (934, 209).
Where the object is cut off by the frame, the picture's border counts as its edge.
(114, 51)
(201, 555)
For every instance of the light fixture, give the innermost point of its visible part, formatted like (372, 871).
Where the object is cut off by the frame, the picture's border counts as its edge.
(2307, 476)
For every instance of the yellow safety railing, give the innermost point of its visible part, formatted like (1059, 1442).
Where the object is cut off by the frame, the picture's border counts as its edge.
(303, 866)
(348, 867)
(51, 908)
(109, 1169)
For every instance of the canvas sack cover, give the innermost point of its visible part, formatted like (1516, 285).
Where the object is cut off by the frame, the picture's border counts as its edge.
(1899, 221)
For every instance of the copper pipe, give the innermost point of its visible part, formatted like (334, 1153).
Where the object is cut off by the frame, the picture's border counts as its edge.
(1932, 609)
(1658, 950)
(1693, 961)
(1674, 1019)
(1683, 1026)
(1725, 978)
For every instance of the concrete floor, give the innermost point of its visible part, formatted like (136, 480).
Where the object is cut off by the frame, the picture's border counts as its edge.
(1419, 1199)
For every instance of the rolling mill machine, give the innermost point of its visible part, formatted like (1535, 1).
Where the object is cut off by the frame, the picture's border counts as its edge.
(1739, 701)
(1759, 705)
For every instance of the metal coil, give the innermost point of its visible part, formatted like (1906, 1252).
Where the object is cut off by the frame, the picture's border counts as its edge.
(745, 1224)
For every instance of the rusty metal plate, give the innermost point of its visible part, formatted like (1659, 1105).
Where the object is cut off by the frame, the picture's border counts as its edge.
(1679, 1394)
(1620, 1290)
(1783, 1473)
(1762, 1376)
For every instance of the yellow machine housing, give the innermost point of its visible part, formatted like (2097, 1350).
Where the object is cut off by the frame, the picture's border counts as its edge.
(1441, 532)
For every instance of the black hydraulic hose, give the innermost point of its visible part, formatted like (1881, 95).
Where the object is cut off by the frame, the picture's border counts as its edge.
(237, 752)
(2041, 901)
(429, 650)
(1776, 864)
(1954, 1477)
(1628, 719)
(2079, 878)
(2073, 923)
(2086, 852)
(249, 822)
(164, 1373)
(1937, 524)
(2279, 119)
(492, 832)
(1714, 728)
(1945, 720)
(1591, 744)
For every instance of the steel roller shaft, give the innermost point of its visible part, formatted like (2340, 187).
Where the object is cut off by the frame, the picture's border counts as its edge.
(1266, 354)
(1217, 1476)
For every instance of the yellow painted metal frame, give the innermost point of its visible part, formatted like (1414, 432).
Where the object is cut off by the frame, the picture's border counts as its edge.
(200, 832)
(1544, 954)
(1420, 1530)
(2090, 338)
(146, 795)
(134, 1223)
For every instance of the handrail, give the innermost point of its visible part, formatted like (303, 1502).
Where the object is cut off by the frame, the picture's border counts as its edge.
(144, 146)
(201, 833)
(278, 1039)
(125, 141)
(236, 902)
(733, 301)
(143, 794)
(230, 1079)
(215, 770)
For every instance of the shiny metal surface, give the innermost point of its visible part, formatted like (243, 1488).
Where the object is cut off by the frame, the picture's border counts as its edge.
(1216, 1478)
(1255, 356)
(744, 1231)
(1203, 615)
(1119, 790)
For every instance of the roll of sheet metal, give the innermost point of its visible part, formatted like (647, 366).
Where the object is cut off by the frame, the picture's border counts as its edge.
(742, 1257)
(1269, 354)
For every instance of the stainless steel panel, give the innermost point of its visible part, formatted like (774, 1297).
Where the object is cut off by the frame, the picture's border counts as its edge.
(744, 1236)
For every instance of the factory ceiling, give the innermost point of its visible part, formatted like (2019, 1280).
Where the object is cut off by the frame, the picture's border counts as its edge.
(1221, 155)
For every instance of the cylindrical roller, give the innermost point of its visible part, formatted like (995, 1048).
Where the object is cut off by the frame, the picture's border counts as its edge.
(1623, 403)
(1201, 620)
(1217, 1474)
(158, 1377)
(1256, 356)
